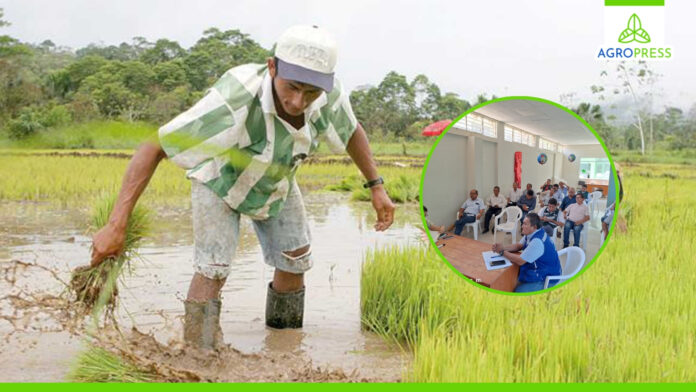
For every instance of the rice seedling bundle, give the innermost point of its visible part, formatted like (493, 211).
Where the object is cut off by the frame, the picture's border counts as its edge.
(94, 287)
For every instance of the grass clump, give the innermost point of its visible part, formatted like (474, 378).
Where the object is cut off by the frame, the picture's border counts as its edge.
(95, 287)
(401, 188)
(99, 365)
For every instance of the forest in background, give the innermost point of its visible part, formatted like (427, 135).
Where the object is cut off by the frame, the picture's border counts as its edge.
(45, 87)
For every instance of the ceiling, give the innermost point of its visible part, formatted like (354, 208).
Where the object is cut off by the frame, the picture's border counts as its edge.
(542, 119)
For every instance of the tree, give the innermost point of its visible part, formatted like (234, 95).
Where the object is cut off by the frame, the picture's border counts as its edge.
(3, 23)
(163, 50)
(427, 97)
(219, 51)
(636, 81)
(450, 106)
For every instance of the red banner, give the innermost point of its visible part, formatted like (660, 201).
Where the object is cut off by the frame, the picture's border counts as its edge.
(518, 167)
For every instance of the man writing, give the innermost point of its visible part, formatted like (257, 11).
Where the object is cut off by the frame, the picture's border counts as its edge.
(241, 145)
(538, 260)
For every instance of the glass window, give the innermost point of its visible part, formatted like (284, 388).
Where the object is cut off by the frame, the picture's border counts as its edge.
(595, 168)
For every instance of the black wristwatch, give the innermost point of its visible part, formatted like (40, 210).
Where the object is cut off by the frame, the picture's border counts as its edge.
(372, 183)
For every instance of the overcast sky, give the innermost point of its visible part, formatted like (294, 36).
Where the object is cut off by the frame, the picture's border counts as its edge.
(506, 47)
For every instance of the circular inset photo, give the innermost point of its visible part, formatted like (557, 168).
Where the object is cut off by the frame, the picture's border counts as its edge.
(525, 191)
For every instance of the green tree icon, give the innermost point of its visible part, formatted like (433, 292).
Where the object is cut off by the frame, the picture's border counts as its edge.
(634, 32)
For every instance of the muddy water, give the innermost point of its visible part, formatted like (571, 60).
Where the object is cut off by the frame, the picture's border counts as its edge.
(151, 296)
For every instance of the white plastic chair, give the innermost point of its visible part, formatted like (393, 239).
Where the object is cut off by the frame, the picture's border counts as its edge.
(575, 259)
(473, 225)
(513, 215)
(593, 199)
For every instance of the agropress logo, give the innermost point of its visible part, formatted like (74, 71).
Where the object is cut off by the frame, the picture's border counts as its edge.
(635, 32)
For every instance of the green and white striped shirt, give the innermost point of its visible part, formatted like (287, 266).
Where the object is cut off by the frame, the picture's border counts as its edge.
(233, 141)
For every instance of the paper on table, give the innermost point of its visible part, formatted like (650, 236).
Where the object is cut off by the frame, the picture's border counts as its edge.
(491, 256)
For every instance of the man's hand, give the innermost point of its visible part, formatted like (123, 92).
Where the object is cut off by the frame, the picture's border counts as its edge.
(107, 242)
(384, 208)
(497, 248)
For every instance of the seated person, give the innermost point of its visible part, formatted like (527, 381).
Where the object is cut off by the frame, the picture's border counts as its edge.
(550, 218)
(563, 188)
(568, 200)
(514, 194)
(529, 188)
(546, 186)
(556, 193)
(496, 203)
(575, 216)
(584, 192)
(527, 203)
(544, 198)
(611, 201)
(470, 212)
(538, 260)
(435, 230)
(607, 218)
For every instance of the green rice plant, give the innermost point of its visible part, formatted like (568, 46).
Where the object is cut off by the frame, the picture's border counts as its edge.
(403, 289)
(401, 188)
(630, 317)
(93, 134)
(68, 179)
(99, 365)
(94, 287)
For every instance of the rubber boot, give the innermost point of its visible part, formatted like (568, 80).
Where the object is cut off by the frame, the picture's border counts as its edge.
(202, 324)
(284, 310)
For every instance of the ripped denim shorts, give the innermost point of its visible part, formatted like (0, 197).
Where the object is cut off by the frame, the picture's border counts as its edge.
(216, 234)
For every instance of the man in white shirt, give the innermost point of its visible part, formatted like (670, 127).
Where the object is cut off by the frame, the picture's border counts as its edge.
(496, 202)
(575, 216)
(470, 212)
(514, 194)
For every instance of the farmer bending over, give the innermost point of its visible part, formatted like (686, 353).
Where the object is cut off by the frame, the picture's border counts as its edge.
(241, 145)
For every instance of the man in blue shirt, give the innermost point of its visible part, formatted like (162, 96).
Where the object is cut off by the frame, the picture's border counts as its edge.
(527, 203)
(538, 260)
(568, 200)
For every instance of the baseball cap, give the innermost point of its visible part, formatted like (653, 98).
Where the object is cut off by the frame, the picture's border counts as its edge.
(307, 54)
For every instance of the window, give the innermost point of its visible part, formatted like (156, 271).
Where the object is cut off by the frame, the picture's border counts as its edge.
(489, 128)
(478, 124)
(595, 168)
(547, 145)
(518, 136)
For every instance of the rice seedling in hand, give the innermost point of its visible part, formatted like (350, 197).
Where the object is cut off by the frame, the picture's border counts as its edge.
(95, 287)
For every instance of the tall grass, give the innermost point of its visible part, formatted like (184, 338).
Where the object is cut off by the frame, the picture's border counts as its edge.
(111, 134)
(93, 134)
(675, 157)
(99, 365)
(70, 179)
(630, 317)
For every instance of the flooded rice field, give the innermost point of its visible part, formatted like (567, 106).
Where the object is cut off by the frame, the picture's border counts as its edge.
(37, 345)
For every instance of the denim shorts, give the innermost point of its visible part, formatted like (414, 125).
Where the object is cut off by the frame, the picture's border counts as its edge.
(216, 234)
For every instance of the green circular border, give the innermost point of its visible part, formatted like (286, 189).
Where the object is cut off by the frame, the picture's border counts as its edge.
(527, 98)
